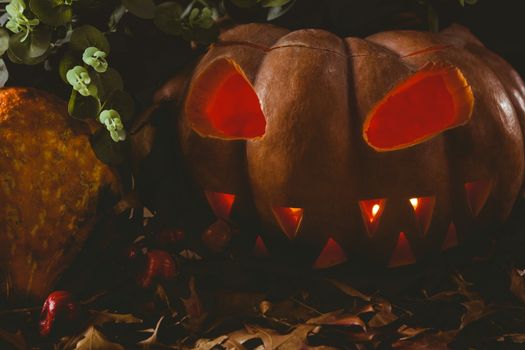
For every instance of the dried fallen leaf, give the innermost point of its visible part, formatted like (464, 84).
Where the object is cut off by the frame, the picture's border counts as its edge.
(437, 341)
(476, 310)
(384, 314)
(101, 317)
(152, 340)
(409, 332)
(337, 318)
(94, 340)
(350, 290)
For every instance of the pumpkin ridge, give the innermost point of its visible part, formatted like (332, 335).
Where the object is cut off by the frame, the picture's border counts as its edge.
(428, 50)
(269, 49)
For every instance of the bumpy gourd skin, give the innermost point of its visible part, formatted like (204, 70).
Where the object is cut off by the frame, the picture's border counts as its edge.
(50, 184)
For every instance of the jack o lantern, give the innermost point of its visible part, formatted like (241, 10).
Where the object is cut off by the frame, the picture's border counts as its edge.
(51, 190)
(390, 148)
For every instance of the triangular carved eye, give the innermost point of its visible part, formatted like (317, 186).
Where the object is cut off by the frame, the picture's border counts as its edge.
(331, 255)
(431, 101)
(220, 203)
(371, 211)
(451, 238)
(477, 194)
(423, 209)
(402, 254)
(222, 103)
(260, 250)
(289, 219)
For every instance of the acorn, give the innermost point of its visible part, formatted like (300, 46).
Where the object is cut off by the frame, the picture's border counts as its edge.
(217, 236)
(60, 315)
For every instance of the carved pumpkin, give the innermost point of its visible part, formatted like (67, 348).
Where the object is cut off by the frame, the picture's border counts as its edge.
(50, 186)
(390, 148)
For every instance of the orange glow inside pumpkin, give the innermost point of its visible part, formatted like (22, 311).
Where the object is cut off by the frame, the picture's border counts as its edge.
(423, 106)
(331, 255)
(220, 203)
(477, 194)
(402, 254)
(222, 103)
(260, 250)
(451, 237)
(423, 208)
(371, 211)
(289, 219)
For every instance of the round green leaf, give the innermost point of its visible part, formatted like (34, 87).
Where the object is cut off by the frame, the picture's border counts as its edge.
(274, 3)
(83, 107)
(4, 41)
(140, 8)
(4, 73)
(13, 58)
(87, 36)
(123, 103)
(167, 18)
(68, 61)
(107, 150)
(52, 12)
(108, 82)
(276, 12)
(33, 49)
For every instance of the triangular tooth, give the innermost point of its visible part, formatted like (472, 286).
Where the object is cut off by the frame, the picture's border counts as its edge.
(477, 194)
(424, 209)
(289, 219)
(331, 255)
(371, 210)
(451, 238)
(220, 203)
(402, 254)
(259, 249)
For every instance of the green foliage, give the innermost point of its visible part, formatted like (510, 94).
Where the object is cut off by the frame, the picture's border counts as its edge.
(88, 36)
(106, 149)
(194, 23)
(68, 61)
(30, 49)
(83, 107)
(4, 41)
(52, 12)
(95, 58)
(123, 103)
(168, 18)
(140, 8)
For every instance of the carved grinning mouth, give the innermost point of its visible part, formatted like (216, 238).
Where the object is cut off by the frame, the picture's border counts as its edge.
(289, 220)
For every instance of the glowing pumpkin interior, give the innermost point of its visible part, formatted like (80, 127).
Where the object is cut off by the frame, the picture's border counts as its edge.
(289, 219)
(222, 103)
(423, 106)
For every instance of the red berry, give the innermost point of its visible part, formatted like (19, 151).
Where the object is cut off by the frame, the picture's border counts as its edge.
(60, 314)
(160, 266)
(217, 236)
